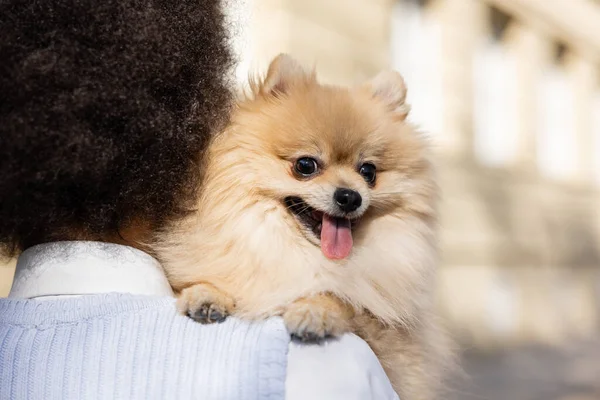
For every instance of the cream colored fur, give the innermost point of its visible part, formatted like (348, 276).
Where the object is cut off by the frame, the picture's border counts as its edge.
(244, 243)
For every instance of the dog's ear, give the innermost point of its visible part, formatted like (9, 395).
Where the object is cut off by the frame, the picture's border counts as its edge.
(284, 71)
(389, 87)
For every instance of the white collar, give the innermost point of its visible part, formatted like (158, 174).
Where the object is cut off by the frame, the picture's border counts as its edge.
(76, 268)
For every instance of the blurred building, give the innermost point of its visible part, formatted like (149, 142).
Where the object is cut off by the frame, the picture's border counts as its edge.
(510, 91)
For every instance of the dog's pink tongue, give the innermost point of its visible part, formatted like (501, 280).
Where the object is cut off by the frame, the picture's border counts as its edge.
(336, 237)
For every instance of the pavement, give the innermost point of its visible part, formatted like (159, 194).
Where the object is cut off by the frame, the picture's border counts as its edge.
(532, 373)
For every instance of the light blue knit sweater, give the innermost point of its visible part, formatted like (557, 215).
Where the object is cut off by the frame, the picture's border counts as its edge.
(114, 346)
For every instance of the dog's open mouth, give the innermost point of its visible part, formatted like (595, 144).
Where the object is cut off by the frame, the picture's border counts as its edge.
(333, 233)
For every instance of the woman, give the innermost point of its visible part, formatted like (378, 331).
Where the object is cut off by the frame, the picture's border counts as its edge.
(105, 109)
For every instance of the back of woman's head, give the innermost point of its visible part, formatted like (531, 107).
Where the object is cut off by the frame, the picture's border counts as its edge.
(105, 108)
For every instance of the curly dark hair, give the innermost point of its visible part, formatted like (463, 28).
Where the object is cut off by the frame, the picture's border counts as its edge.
(105, 109)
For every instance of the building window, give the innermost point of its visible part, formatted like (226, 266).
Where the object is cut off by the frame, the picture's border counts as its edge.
(415, 51)
(556, 136)
(495, 105)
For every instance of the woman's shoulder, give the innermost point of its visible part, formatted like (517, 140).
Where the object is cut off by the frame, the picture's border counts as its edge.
(343, 368)
(128, 317)
(144, 338)
(136, 347)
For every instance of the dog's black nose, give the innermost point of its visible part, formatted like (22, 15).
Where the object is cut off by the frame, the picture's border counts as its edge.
(347, 200)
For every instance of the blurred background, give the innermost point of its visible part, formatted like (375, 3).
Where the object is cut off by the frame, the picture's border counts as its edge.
(509, 90)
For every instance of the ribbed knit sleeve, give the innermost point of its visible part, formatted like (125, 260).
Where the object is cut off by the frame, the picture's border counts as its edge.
(119, 346)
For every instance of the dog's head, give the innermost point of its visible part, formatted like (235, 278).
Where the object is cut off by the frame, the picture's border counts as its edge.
(331, 157)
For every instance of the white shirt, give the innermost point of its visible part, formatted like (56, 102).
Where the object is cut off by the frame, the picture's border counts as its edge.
(55, 270)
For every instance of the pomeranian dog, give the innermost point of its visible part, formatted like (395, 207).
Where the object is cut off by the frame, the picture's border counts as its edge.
(319, 205)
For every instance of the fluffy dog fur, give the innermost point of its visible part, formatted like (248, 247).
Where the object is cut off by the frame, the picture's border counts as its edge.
(246, 253)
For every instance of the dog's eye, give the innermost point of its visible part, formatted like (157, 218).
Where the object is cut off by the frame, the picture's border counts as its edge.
(368, 172)
(306, 166)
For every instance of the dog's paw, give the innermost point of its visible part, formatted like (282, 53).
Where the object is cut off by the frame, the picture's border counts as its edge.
(208, 313)
(205, 303)
(316, 318)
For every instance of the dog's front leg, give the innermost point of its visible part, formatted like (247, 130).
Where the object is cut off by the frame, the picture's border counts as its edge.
(318, 317)
(205, 303)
